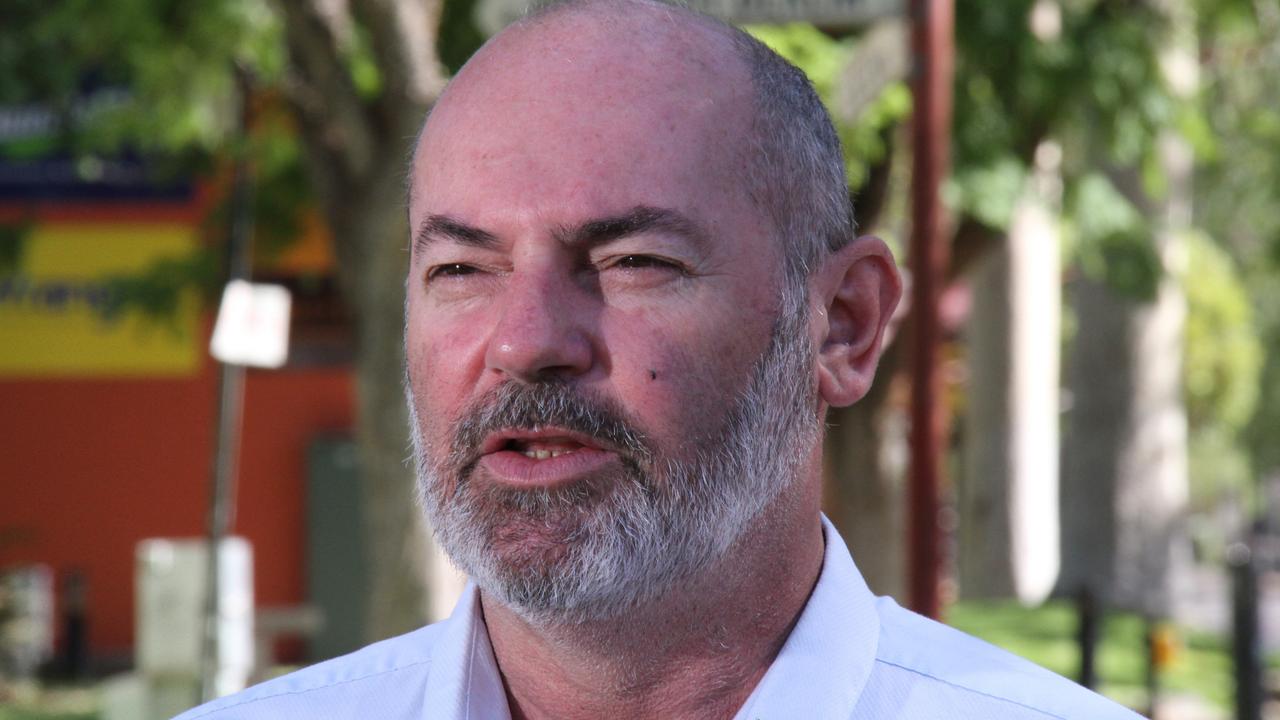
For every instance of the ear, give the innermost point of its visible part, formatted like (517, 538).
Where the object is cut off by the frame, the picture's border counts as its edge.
(860, 288)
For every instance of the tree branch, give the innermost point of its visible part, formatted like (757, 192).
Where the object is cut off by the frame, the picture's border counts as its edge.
(402, 34)
(320, 87)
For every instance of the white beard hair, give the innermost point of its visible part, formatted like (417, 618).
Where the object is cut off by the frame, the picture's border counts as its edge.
(638, 544)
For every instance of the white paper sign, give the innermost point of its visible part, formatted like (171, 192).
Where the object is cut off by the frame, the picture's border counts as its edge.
(253, 325)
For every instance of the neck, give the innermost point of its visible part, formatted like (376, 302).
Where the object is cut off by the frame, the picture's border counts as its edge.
(697, 652)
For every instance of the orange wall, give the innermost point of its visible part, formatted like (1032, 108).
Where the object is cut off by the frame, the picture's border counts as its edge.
(90, 467)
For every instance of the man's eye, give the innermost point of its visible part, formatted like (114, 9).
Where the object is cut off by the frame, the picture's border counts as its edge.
(450, 270)
(636, 262)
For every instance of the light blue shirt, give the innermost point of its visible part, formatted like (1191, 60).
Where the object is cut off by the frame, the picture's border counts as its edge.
(851, 656)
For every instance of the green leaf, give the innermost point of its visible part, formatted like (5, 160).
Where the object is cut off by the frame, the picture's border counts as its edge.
(1221, 347)
(13, 245)
(990, 193)
(157, 292)
(1111, 239)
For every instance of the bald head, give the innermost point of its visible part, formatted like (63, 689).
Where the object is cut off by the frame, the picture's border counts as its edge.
(667, 66)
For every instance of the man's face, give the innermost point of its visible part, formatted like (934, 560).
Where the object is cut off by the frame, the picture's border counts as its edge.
(605, 386)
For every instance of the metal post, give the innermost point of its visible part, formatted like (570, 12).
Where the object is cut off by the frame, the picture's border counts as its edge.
(1246, 635)
(75, 631)
(230, 410)
(932, 27)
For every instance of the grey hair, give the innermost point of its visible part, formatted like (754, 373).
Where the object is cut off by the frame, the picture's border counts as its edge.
(796, 165)
(798, 171)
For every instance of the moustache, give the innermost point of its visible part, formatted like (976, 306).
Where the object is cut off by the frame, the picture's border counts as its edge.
(519, 406)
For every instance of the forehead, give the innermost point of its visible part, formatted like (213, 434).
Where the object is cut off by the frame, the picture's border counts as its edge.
(579, 113)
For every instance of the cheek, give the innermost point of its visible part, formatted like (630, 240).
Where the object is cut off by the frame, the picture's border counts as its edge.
(445, 357)
(679, 373)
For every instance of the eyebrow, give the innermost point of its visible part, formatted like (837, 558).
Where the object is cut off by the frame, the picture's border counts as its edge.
(598, 231)
(442, 227)
(637, 220)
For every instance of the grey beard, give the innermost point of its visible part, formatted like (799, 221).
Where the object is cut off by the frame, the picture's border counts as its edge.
(627, 538)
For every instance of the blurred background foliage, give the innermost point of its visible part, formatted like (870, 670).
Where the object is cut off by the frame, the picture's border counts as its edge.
(865, 139)
(1090, 76)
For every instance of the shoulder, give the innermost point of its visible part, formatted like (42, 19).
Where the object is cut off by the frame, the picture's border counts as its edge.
(932, 659)
(388, 675)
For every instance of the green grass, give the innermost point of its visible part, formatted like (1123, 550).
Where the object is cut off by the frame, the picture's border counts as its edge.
(1046, 636)
(22, 713)
(65, 702)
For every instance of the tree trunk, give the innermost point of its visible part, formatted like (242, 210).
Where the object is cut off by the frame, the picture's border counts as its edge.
(394, 529)
(1008, 492)
(1126, 492)
(1101, 378)
(356, 151)
(986, 560)
(1125, 463)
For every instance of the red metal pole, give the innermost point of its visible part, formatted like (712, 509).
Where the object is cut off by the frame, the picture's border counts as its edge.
(932, 26)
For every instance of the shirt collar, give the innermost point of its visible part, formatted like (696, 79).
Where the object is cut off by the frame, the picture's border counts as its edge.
(827, 658)
(464, 682)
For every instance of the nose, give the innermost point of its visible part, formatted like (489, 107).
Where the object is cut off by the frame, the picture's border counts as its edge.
(540, 334)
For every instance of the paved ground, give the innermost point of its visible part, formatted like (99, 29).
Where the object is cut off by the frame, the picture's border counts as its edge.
(1188, 707)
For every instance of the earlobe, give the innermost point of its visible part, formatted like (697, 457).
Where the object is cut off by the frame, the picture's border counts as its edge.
(861, 290)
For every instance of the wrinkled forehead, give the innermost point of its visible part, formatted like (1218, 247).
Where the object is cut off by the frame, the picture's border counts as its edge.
(639, 90)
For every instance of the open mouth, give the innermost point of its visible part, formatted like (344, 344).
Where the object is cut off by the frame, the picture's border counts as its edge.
(544, 456)
(542, 449)
(539, 443)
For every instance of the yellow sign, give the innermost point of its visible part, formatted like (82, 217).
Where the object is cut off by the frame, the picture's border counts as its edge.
(51, 322)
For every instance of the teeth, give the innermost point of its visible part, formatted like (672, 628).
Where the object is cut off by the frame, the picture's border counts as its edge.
(545, 454)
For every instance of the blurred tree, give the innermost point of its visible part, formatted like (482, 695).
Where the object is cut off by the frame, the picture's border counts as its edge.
(1228, 83)
(1008, 487)
(1008, 188)
(355, 78)
(1028, 71)
(1087, 75)
(1224, 356)
(1238, 191)
(1117, 86)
